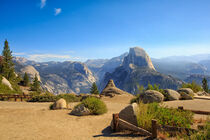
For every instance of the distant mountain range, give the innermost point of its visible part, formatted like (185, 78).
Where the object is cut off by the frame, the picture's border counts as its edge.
(127, 70)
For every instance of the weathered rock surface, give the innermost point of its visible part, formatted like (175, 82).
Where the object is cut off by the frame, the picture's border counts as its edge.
(31, 71)
(185, 96)
(202, 93)
(129, 114)
(172, 94)
(80, 110)
(60, 104)
(111, 90)
(186, 90)
(151, 96)
(6, 82)
(138, 57)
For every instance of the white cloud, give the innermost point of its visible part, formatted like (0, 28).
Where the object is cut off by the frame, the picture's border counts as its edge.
(57, 11)
(47, 57)
(21, 53)
(43, 3)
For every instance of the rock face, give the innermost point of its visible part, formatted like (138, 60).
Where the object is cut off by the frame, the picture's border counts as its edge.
(60, 104)
(129, 114)
(111, 90)
(172, 94)
(80, 110)
(151, 96)
(137, 69)
(138, 57)
(31, 71)
(6, 82)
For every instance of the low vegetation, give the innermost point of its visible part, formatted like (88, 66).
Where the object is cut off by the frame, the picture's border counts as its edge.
(202, 134)
(49, 97)
(68, 97)
(164, 116)
(95, 105)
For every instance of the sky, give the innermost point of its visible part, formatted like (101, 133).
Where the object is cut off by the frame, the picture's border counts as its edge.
(59, 30)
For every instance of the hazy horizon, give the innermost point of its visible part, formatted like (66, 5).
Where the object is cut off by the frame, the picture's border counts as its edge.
(77, 30)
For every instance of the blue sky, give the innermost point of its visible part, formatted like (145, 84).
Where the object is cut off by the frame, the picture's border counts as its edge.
(45, 30)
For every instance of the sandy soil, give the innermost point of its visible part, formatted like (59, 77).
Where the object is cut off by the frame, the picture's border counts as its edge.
(34, 121)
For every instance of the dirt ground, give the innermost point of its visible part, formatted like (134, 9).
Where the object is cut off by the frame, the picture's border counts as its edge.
(34, 121)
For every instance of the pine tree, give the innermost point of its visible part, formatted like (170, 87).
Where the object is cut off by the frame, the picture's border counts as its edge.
(141, 89)
(7, 69)
(205, 85)
(25, 79)
(94, 89)
(36, 84)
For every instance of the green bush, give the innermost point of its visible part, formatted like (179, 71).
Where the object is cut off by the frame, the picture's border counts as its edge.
(96, 106)
(69, 97)
(51, 106)
(43, 98)
(164, 116)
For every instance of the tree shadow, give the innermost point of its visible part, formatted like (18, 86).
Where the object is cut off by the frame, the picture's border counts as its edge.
(107, 132)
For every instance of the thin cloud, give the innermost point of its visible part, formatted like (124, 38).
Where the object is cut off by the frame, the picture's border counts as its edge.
(57, 11)
(44, 57)
(43, 3)
(20, 53)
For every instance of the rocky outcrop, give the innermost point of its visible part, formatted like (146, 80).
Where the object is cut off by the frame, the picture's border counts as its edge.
(60, 104)
(6, 82)
(172, 94)
(80, 110)
(151, 96)
(111, 90)
(129, 114)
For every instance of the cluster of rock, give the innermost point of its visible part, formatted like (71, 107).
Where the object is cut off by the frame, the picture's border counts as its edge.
(150, 96)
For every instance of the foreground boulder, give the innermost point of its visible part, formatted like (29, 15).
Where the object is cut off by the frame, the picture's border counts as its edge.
(186, 90)
(129, 114)
(185, 96)
(172, 94)
(151, 96)
(80, 110)
(202, 93)
(6, 82)
(60, 104)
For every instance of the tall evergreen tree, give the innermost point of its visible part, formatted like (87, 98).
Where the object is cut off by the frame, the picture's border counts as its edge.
(25, 79)
(94, 89)
(7, 69)
(36, 84)
(205, 85)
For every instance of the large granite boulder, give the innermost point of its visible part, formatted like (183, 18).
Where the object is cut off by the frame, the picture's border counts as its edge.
(151, 96)
(202, 93)
(185, 96)
(60, 104)
(129, 114)
(172, 94)
(80, 110)
(186, 90)
(6, 82)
